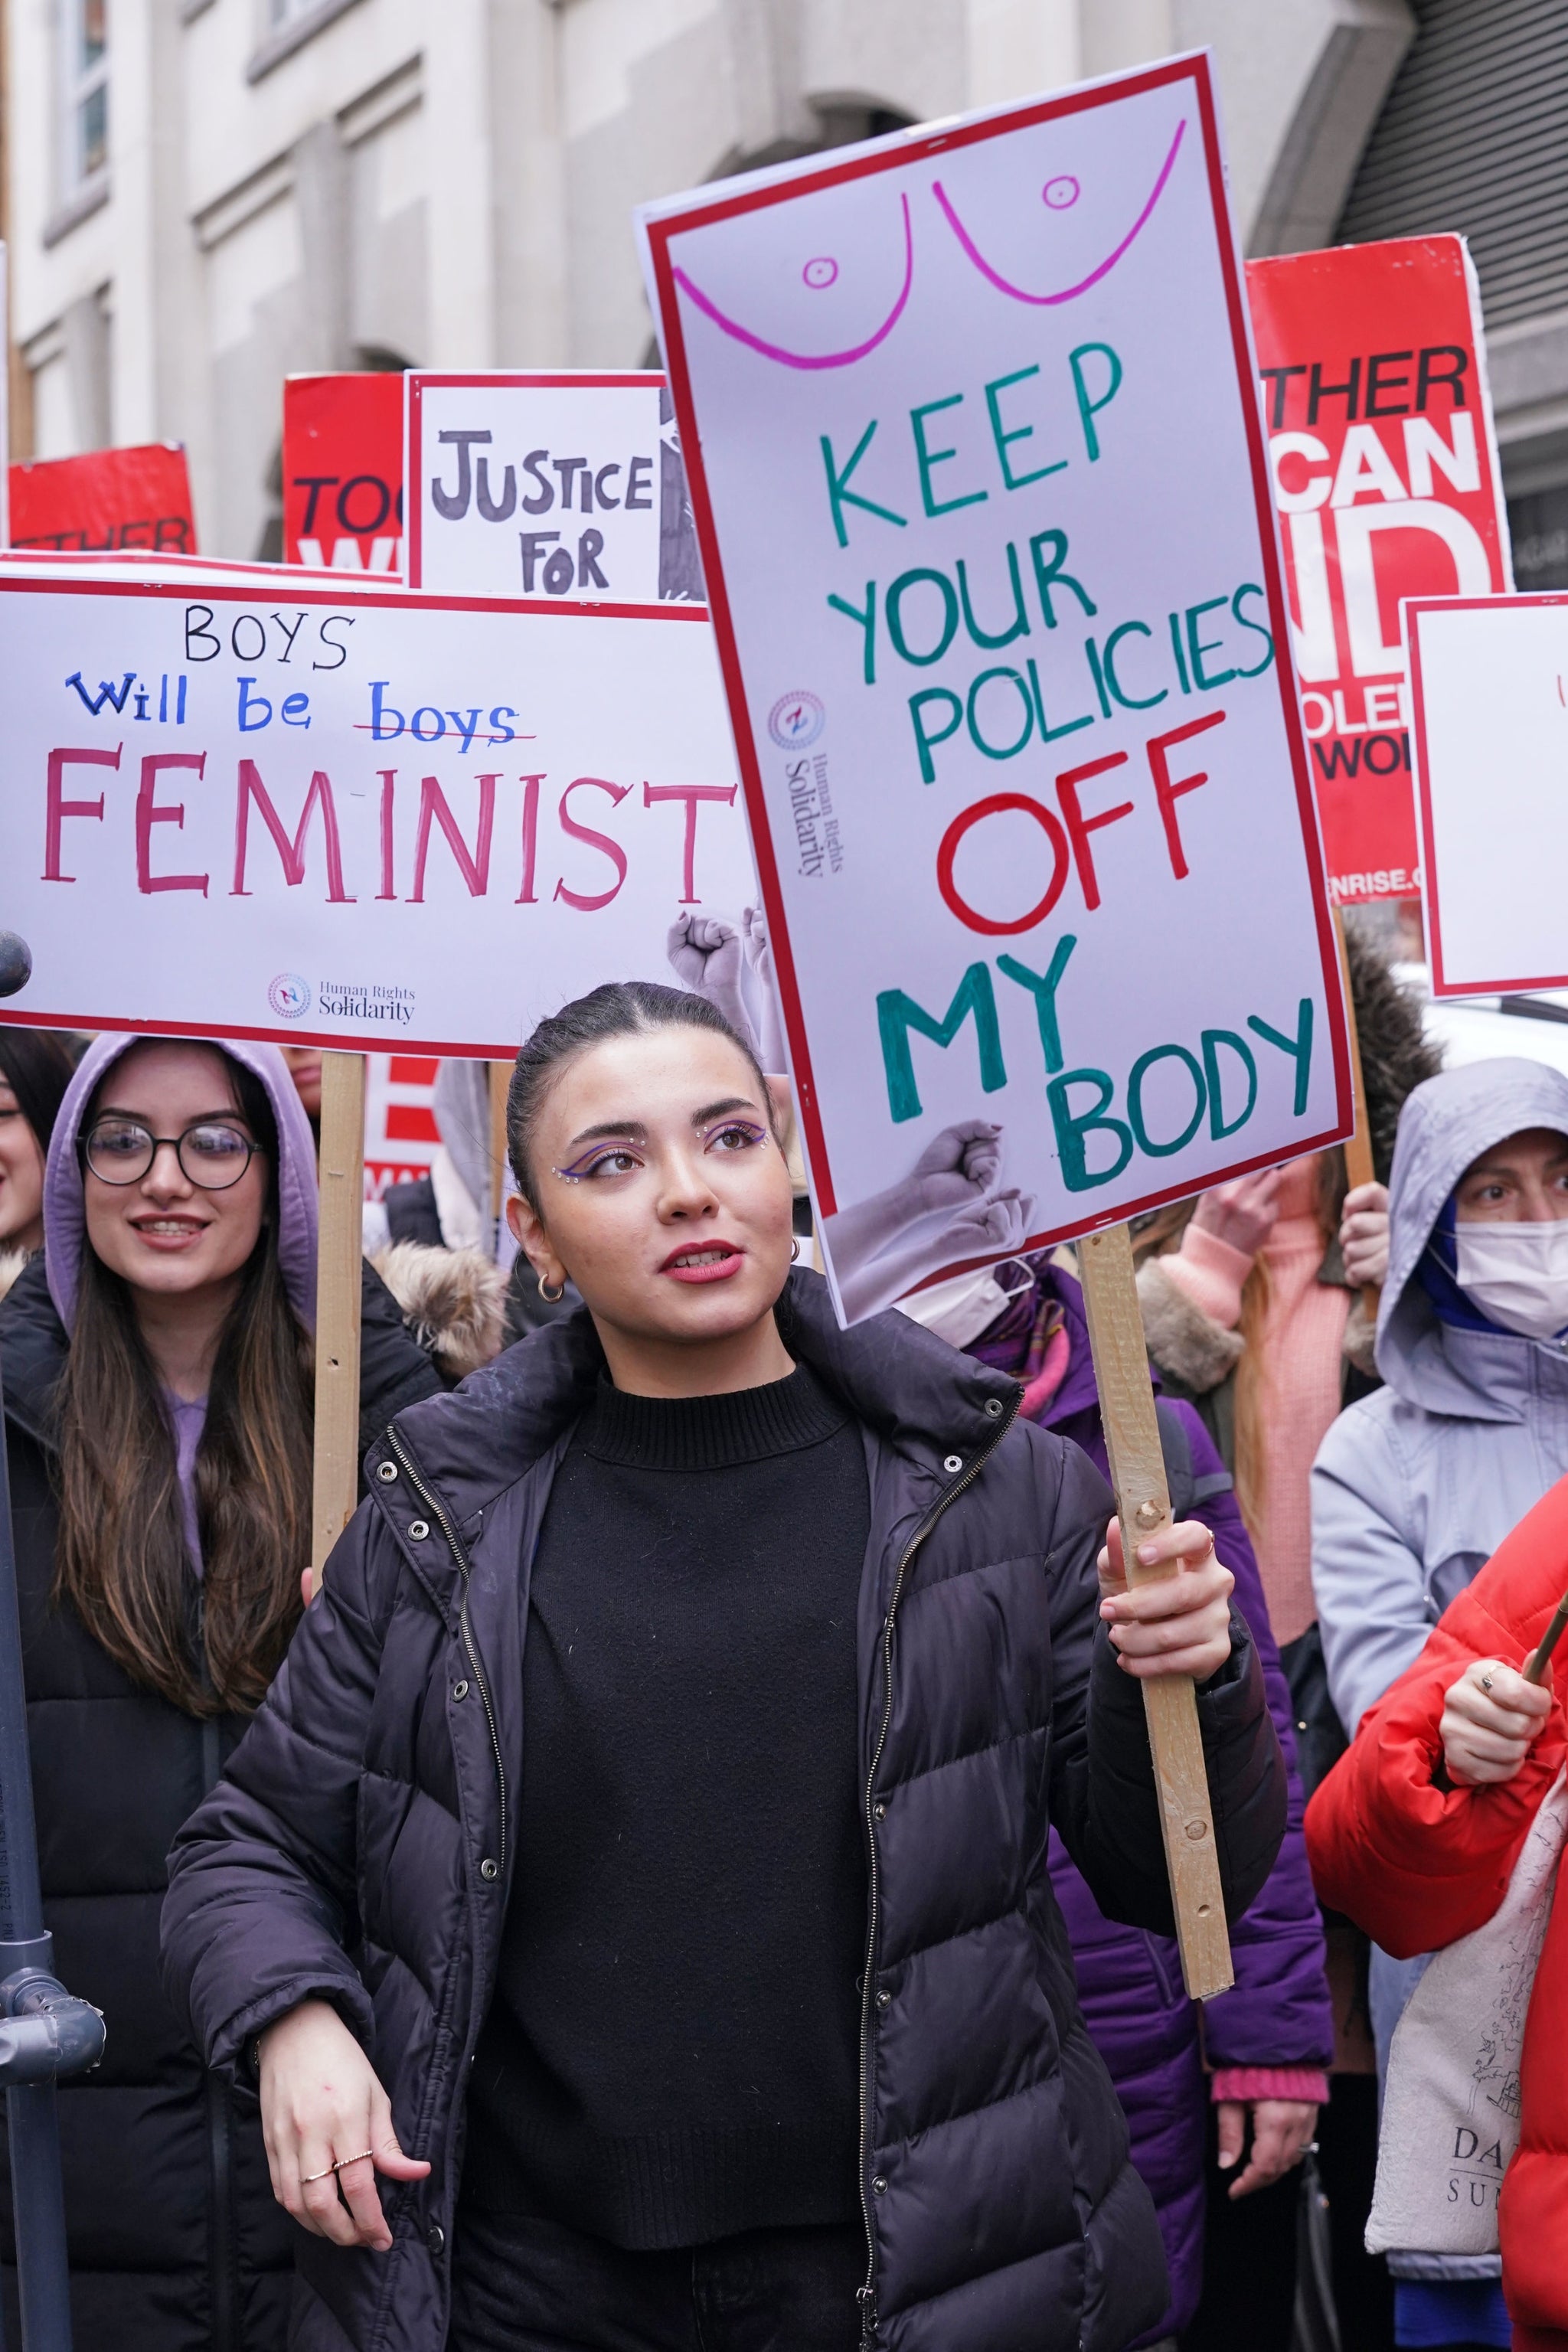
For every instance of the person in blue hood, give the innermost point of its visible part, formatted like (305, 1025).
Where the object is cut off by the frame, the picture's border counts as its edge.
(1415, 1487)
(158, 1394)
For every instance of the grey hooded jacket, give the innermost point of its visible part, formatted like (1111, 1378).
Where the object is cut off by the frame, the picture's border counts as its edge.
(1415, 1487)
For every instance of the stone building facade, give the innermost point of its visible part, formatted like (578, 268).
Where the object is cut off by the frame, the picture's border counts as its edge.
(205, 195)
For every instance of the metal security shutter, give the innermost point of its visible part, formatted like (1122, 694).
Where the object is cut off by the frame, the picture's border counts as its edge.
(1474, 137)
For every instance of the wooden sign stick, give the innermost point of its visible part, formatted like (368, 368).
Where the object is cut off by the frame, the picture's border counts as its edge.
(1359, 1166)
(1540, 1658)
(1170, 1704)
(501, 1079)
(338, 1304)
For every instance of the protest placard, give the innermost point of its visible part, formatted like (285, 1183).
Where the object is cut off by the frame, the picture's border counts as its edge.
(151, 570)
(1489, 685)
(342, 471)
(110, 498)
(982, 498)
(363, 820)
(565, 485)
(1372, 366)
(400, 1130)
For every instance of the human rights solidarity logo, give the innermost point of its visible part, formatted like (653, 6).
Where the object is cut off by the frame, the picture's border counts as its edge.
(290, 996)
(795, 720)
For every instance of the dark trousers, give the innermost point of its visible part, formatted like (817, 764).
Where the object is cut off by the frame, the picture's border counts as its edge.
(1249, 2263)
(1363, 2291)
(1249, 2249)
(537, 2286)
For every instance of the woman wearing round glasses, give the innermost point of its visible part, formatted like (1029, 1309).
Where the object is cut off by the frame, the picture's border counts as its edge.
(157, 1369)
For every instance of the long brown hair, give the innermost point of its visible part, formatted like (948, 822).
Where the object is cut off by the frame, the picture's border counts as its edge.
(122, 1559)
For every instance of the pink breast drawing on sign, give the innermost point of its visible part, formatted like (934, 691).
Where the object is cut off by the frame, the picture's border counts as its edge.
(821, 272)
(1060, 194)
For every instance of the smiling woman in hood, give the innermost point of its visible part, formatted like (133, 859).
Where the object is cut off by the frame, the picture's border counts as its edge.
(1415, 1487)
(158, 1374)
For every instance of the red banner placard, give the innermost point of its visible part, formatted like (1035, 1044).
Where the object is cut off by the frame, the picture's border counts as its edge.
(400, 1132)
(109, 498)
(342, 471)
(1386, 475)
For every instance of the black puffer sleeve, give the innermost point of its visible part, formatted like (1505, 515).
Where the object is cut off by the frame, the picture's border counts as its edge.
(1103, 1796)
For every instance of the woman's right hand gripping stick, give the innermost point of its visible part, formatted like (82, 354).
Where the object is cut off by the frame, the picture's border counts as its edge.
(1492, 1720)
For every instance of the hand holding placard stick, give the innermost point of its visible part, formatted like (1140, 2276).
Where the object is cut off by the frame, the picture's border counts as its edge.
(1360, 1167)
(338, 1304)
(1143, 1505)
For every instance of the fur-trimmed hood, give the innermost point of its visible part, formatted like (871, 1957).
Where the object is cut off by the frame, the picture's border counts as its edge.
(1199, 1353)
(454, 1302)
(1396, 1056)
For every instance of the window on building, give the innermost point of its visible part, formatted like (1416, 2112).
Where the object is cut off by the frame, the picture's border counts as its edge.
(86, 92)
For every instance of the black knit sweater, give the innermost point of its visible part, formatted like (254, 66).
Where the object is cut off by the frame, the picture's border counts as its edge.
(671, 2053)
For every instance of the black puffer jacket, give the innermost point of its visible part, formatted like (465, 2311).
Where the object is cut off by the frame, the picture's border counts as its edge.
(360, 1846)
(176, 2243)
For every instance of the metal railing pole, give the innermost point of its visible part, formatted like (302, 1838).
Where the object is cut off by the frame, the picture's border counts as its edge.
(44, 2031)
(43, 2281)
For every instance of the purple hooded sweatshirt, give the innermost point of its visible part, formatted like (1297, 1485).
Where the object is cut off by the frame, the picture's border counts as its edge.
(65, 1226)
(1279, 2013)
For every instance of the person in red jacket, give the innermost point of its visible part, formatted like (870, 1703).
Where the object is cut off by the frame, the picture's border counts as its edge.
(1415, 1835)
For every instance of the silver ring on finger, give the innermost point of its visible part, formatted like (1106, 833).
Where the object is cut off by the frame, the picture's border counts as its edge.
(363, 2156)
(1486, 1681)
(307, 2178)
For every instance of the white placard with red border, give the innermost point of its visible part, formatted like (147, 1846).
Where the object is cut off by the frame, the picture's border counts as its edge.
(1490, 683)
(563, 485)
(360, 819)
(971, 429)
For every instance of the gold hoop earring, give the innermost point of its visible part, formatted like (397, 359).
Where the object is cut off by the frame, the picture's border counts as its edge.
(795, 1249)
(551, 1297)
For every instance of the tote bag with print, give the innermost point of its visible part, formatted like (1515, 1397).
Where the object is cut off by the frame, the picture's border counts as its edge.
(1451, 2102)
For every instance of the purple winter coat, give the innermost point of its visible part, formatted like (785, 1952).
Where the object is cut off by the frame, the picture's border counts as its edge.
(1279, 2013)
(358, 1848)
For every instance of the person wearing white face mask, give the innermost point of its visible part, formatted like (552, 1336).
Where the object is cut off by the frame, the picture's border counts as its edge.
(1516, 1270)
(1415, 1487)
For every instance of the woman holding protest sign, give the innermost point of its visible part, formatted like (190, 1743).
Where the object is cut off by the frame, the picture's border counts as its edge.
(680, 1721)
(1416, 1486)
(1268, 2043)
(158, 1379)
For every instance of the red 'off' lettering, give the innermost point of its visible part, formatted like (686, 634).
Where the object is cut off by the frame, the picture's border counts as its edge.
(1070, 835)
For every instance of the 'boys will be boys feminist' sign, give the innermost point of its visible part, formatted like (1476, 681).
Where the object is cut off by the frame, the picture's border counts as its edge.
(363, 820)
(974, 450)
